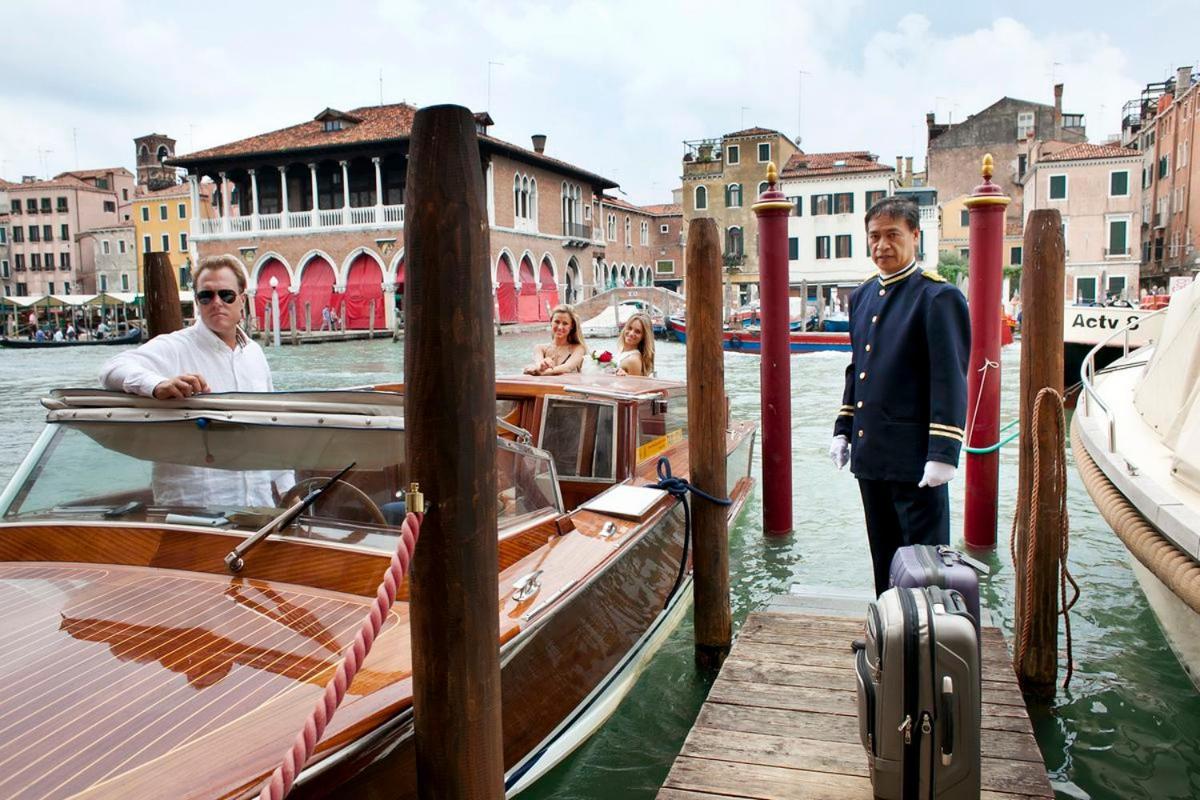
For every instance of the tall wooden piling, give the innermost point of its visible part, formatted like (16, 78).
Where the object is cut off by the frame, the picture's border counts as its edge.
(450, 411)
(163, 312)
(987, 213)
(706, 442)
(772, 210)
(1042, 282)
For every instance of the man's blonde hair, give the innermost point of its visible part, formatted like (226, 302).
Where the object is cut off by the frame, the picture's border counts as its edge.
(212, 263)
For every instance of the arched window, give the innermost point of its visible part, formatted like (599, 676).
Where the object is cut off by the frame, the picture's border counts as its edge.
(733, 195)
(533, 200)
(628, 232)
(733, 241)
(701, 198)
(525, 198)
(645, 232)
(762, 187)
(517, 196)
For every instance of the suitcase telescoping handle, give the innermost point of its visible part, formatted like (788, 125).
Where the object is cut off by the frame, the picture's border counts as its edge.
(948, 719)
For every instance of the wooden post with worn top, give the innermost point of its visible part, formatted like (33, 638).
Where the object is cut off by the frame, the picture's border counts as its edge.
(163, 312)
(450, 410)
(1042, 281)
(706, 442)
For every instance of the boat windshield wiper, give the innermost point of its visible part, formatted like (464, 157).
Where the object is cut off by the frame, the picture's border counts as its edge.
(234, 560)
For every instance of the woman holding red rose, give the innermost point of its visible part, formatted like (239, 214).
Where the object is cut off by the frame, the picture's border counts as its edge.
(566, 350)
(636, 353)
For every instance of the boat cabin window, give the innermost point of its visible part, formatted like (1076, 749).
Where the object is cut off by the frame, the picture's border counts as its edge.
(526, 483)
(218, 473)
(581, 437)
(662, 422)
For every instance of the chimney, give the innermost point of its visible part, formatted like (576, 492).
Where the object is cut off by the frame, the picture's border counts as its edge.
(899, 168)
(908, 167)
(539, 143)
(1183, 81)
(1058, 87)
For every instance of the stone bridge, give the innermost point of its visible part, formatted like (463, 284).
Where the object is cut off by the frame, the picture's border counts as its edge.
(671, 303)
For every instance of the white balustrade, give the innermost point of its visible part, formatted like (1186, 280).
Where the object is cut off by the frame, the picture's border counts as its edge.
(270, 222)
(329, 218)
(393, 214)
(239, 224)
(299, 219)
(301, 222)
(210, 226)
(362, 216)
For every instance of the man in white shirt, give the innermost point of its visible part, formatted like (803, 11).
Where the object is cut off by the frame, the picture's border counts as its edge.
(214, 355)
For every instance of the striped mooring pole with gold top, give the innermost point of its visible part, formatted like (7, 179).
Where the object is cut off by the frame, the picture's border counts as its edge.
(987, 206)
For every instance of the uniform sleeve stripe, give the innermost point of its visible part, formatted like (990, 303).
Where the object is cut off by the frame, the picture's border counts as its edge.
(940, 427)
(845, 413)
(958, 437)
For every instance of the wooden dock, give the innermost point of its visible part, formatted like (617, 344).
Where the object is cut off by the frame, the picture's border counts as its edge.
(781, 720)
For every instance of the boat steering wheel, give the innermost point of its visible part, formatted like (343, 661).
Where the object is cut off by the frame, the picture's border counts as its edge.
(302, 487)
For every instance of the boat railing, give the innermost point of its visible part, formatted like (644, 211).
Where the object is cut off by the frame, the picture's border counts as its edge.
(1087, 374)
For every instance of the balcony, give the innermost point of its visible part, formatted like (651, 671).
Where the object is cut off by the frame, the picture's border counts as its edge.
(300, 222)
(577, 234)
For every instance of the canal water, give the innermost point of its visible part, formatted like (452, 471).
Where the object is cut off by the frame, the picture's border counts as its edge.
(1128, 726)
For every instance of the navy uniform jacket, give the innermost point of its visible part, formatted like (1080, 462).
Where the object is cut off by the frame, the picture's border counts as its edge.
(905, 400)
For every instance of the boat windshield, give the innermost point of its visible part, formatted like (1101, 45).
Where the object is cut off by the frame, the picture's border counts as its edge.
(237, 474)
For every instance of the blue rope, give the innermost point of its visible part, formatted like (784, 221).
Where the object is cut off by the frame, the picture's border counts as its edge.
(679, 488)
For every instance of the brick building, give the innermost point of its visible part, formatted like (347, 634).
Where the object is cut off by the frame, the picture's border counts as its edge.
(643, 244)
(722, 178)
(107, 262)
(1094, 187)
(1005, 129)
(1170, 142)
(319, 207)
(47, 218)
(666, 235)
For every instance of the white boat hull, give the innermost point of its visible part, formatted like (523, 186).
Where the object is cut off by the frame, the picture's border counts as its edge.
(1180, 624)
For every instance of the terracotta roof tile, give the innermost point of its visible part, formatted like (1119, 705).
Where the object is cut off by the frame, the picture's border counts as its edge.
(802, 165)
(755, 131)
(664, 209)
(379, 123)
(1086, 150)
(61, 182)
(94, 173)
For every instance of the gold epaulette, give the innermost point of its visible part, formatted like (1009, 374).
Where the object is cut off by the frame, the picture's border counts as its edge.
(932, 275)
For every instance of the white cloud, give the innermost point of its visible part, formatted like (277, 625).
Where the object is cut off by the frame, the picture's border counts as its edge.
(615, 85)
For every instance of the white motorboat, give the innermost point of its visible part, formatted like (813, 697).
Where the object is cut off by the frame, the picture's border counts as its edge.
(1136, 437)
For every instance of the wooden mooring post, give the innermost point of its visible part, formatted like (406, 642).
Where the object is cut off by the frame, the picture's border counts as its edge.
(706, 443)
(1042, 281)
(450, 410)
(163, 312)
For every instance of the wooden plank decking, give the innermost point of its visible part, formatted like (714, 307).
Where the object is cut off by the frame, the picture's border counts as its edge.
(781, 720)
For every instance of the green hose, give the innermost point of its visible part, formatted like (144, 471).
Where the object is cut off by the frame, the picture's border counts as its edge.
(979, 451)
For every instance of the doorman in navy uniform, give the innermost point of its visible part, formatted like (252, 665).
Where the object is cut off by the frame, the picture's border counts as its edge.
(905, 402)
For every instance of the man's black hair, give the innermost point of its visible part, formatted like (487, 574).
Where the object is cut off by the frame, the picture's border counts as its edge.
(897, 207)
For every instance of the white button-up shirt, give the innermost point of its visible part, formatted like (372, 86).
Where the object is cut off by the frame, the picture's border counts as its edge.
(242, 368)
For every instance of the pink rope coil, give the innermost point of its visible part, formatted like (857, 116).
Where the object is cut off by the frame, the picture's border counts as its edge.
(280, 782)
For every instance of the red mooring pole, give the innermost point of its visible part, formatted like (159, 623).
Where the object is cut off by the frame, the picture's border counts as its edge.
(987, 207)
(772, 210)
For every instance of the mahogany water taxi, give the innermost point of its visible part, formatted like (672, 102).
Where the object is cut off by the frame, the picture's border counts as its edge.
(137, 665)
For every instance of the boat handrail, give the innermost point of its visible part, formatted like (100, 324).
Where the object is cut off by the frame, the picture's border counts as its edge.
(1087, 373)
(611, 393)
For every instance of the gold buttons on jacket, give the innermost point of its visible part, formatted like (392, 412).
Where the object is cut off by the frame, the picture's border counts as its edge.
(874, 319)
(868, 348)
(862, 376)
(882, 292)
(860, 433)
(860, 403)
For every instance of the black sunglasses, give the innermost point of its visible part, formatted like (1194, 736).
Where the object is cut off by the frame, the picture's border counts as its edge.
(205, 296)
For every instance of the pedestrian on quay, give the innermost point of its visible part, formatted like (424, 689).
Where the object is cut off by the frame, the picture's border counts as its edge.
(325, 319)
(904, 405)
(566, 351)
(636, 353)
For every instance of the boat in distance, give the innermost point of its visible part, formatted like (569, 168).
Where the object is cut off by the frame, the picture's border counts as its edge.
(137, 665)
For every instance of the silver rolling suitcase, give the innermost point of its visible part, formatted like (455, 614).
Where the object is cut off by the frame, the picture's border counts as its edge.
(919, 695)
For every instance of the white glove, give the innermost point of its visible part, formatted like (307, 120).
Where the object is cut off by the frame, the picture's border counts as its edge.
(936, 474)
(839, 451)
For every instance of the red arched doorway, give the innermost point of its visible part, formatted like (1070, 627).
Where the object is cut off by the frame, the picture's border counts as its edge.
(364, 290)
(316, 289)
(398, 298)
(527, 301)
(506, 292)
(273, 268)
(548, 296)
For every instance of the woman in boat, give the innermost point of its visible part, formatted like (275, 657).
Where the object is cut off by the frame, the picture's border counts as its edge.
(566, 350)
(636, 354)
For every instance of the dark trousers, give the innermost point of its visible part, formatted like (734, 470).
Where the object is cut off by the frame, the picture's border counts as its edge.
(900, 514)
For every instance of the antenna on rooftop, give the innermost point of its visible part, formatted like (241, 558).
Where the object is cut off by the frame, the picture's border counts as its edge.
(75, 145)
(800, 103)
(42, 160)
(744, 110)
(489, 97)
(381, 86)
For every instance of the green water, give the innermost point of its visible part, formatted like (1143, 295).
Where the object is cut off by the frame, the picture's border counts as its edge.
(1128, 727)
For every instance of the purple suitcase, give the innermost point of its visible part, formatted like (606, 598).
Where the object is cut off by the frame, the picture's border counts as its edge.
(921, 565)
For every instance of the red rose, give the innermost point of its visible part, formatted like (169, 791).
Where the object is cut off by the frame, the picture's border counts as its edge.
(605, 357)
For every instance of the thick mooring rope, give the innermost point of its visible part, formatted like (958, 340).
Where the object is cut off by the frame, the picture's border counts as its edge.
(280, 782)
(1163, 559)
(1059, 481)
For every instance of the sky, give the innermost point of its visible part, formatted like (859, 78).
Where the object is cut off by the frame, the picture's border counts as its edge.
(616, 85)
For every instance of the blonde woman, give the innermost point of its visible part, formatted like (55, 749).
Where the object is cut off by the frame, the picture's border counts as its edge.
(636, 353)
(566, 350)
